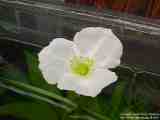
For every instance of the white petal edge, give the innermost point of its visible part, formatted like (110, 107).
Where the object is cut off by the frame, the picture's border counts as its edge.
(90, 86)
(100, 79)
(59, 48)
(54, 57)
(100, 43)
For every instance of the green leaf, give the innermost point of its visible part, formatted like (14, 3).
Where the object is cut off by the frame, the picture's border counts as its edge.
(34, 73)
(81, 117)
(103, 102)
(117, 99)
(97, 115)
(29, 110)
(89, 106)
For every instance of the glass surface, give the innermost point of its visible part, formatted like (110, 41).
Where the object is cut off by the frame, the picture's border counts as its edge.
(36, 23)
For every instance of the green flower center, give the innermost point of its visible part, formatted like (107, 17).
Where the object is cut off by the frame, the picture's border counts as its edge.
(81, 66)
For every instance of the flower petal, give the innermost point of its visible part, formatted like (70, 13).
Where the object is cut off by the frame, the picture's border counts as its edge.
(52, 69)
(62, 48)
(87, 38)
(54, 57)
(108, 51)
(69, 82)
(101, 44)
(90, 86)
(93, 86)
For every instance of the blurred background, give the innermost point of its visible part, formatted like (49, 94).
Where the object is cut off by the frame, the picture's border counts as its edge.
(146, 8)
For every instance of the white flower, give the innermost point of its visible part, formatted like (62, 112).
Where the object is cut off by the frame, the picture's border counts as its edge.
(82, 65)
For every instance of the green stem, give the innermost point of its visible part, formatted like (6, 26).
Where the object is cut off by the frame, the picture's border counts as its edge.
(40, 91)
(35, 96)
(43, 92)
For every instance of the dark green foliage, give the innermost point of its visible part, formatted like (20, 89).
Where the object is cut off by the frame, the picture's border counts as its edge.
(29, 110)
(27, 95)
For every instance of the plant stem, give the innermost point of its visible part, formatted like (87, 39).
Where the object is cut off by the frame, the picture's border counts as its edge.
(35, 96)
(41, 91)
